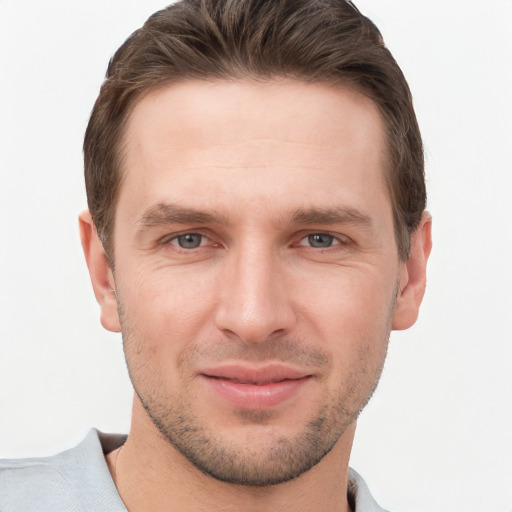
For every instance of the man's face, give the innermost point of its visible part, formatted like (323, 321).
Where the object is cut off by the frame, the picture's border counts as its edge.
(256, 270)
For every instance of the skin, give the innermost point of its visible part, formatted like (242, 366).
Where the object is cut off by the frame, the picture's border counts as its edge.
(295, 265)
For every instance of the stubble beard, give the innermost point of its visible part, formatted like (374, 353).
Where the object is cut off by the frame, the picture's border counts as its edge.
(283, 458)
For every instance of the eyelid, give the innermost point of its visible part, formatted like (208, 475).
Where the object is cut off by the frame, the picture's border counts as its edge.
(202, 240)
(169, 238)
(340, 238)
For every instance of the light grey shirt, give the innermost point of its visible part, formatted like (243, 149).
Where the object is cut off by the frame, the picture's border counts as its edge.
(78, 480)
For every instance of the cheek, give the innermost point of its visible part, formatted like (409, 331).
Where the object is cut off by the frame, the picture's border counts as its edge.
(162, 316)
(351, 316)
(350, 299)
(167, 299)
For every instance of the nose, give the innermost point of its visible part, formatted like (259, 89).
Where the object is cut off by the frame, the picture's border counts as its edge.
(255, 302)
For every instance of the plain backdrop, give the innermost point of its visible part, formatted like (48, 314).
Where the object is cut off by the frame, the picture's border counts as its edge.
(437, 436)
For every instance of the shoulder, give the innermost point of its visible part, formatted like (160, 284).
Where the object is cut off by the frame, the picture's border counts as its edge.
(359, 495)
(34, 485)
(74, 480)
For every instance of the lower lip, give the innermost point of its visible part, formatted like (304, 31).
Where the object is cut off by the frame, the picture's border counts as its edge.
(256, 397)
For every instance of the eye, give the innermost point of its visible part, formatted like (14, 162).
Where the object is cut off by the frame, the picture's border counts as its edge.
(188, 240)
(319, 240)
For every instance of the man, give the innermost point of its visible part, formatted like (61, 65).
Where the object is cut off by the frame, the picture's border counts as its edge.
(256, 228)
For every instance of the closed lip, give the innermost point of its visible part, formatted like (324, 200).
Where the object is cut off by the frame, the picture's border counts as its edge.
(262, 375)
(255, 388)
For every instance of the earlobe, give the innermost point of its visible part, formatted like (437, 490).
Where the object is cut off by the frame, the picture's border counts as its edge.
(414, 278)
(100, 272)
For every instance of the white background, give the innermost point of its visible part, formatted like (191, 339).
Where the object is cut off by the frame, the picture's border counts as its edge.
(438, 434)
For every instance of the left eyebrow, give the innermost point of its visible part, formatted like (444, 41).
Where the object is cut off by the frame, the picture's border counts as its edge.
(163, 214)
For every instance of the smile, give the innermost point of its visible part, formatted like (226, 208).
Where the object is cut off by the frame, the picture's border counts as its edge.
(255, 389)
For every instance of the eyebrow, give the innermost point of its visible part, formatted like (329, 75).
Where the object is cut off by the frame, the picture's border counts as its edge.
(163, 214)
(350, 216)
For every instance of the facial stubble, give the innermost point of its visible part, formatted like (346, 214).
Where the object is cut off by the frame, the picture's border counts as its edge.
(284, 457)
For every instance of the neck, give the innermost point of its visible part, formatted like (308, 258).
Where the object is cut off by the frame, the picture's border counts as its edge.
(150, 475)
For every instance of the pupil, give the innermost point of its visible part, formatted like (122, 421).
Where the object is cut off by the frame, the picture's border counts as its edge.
(320, 240)
(190, 241)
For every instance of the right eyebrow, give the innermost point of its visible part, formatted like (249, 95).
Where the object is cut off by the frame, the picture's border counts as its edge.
(163, 214)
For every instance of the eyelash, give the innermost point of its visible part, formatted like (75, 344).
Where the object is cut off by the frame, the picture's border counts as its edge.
(175, 238)
(336, 240)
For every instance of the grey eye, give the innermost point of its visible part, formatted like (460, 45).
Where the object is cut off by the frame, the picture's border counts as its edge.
(320, 240)
(189, 241)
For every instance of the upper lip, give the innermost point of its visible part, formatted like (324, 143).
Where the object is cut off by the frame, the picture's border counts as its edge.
(244, 374)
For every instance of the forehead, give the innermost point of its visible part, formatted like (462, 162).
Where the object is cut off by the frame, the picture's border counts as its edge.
(204, 138)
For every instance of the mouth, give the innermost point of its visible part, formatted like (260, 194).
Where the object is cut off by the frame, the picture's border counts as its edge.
(255, 388)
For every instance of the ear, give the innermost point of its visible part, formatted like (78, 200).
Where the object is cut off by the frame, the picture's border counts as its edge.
(102, 278)
(413, 279)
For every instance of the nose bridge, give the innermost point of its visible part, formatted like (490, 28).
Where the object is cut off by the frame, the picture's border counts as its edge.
(254, 302)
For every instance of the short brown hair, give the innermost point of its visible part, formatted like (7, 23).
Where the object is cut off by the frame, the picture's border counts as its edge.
(308, 40)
